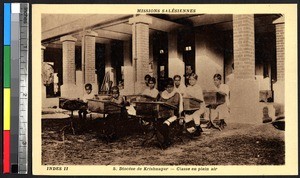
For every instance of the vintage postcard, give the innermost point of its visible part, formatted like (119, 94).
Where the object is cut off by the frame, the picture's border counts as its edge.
(164, 89)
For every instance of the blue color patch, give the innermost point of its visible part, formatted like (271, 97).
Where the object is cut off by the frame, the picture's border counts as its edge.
(7, 21)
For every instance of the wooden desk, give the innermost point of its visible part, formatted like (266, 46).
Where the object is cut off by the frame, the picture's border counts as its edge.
(157, 110)
(191, 104)
(70, 104)
(266, 96)
(213, 98)
(104, 107)
(135, 98)
(155, 113)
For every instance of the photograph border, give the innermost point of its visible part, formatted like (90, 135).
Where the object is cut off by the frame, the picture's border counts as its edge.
(291, 82)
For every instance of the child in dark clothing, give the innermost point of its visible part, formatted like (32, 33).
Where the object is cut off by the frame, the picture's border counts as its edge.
(115, 123)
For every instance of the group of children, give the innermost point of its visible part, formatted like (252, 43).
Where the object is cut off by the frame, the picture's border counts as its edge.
(173, 95)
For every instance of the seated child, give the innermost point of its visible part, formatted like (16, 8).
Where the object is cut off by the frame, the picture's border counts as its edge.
(146, 78)
(87, 95)
(151, 91)
(222, 110)
(116, 124)
(115, 96)
(194, 90)
(172, 97)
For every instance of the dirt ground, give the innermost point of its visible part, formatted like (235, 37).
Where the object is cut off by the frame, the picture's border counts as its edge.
(237, 144)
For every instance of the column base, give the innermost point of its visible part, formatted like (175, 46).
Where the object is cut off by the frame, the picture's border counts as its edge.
(139, 87)
(278, 88)
(128, 80)
(79, 77)
(244, 102)
(71, 91)
(44, 95)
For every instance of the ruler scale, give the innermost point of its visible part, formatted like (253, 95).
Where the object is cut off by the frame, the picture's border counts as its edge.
(23, 90)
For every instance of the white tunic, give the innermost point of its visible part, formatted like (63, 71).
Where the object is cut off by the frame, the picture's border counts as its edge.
(223, 109)
(181, 89)
(195, 91)
(87, 96)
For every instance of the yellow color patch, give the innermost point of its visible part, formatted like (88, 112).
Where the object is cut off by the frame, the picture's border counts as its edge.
(6, 104)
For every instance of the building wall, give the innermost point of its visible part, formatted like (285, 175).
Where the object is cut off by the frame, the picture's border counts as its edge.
(209, 56)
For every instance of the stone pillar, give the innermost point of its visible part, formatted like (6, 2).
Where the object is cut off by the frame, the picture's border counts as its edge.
(68, 89)
(89, 58)
(44, 96)
(140, 49)
(128, 69)
(176, 64)
(279, 85)
(244, 94)
(108, 64)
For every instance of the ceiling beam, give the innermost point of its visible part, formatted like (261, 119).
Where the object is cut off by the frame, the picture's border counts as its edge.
(80, 24)
(164, 25)
(209, 19)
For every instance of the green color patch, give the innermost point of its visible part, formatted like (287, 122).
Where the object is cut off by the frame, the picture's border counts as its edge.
(6, 73)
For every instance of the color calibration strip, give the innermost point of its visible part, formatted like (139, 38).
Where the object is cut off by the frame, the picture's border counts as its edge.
(15, 91)
(6, 90)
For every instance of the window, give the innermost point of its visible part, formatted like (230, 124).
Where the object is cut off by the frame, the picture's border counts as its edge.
(188, 48)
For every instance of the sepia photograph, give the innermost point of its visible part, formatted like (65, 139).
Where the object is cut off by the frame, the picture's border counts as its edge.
(161, 89)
